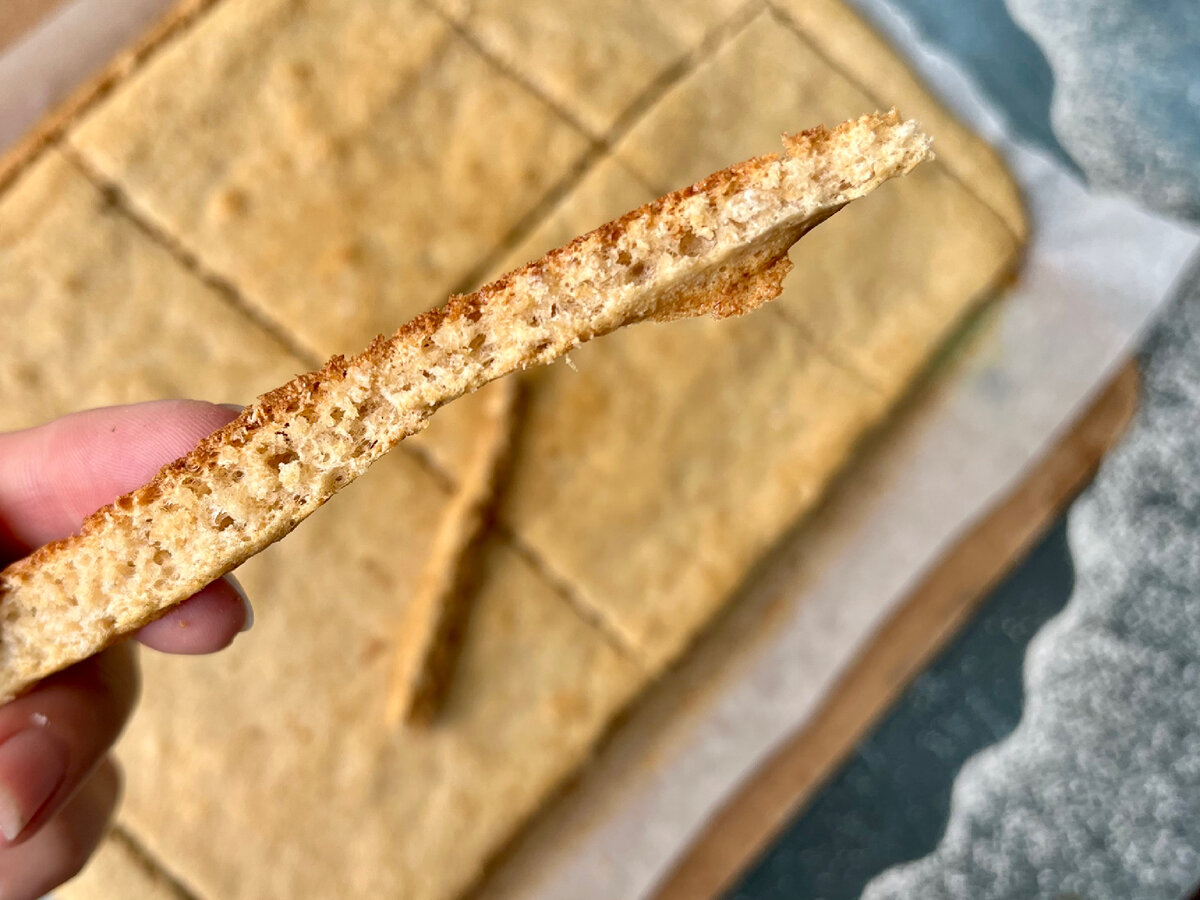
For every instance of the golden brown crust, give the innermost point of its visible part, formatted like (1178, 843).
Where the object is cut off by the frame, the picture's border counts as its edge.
(253, 481)
(304, 389)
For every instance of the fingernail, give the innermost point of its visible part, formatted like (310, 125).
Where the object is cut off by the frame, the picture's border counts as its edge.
(232, 407)
(33, 763)
(241, 592)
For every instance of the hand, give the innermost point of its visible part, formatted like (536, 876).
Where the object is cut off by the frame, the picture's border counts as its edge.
(58, 784)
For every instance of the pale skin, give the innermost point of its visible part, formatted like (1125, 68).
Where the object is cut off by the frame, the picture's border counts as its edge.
(59, 785)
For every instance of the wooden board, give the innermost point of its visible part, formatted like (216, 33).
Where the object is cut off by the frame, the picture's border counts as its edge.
(922, 625)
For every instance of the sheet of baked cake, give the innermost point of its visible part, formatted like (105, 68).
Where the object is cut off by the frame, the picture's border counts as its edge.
(306, 212)
(276, 182)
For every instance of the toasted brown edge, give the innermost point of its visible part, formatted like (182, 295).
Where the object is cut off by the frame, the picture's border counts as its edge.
(272, 408)
(968, 168)
(303, 389)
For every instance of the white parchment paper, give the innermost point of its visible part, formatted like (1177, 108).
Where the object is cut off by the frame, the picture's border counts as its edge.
(1097, 270)
(61, 53)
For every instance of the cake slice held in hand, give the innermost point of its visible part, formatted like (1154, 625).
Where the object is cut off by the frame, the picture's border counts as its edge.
(717, 247)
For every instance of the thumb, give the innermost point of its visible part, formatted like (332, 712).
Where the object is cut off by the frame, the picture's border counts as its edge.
(55, 475)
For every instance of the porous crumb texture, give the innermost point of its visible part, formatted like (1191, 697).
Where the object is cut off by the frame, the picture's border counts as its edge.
(718, 247)
(265, 184)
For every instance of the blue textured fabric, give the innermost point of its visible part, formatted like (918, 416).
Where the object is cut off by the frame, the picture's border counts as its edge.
(1097, 793)
(1010, 69)
(888, 804)
(1127, 97)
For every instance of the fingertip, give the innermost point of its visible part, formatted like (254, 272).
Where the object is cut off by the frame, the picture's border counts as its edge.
(247, 606)
(206, 622)
(111, 779)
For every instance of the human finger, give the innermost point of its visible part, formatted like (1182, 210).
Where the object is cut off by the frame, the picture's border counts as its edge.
(55, 475)
(53, 737)
(59, 851)
(206, 622)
